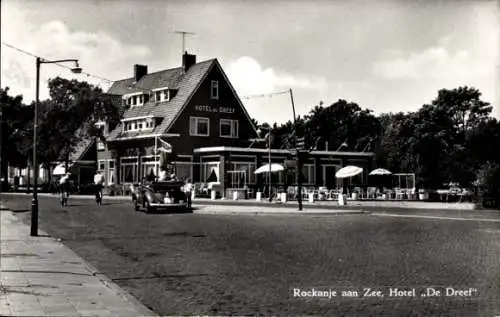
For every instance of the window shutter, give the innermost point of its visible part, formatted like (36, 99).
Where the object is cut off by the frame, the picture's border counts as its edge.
(234, 128)
(192, 125)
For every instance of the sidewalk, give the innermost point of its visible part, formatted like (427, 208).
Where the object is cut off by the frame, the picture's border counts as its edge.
(42, 277)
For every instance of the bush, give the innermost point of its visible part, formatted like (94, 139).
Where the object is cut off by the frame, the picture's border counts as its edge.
(114, 190)
(489, 185)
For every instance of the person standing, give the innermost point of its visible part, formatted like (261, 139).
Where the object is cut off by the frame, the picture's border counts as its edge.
(188, 189)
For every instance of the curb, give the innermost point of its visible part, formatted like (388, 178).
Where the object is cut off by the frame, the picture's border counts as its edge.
(144, 311)
(329, 212)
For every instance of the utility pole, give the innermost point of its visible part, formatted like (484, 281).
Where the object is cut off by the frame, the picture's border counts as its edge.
(297, 158)
(183, 34)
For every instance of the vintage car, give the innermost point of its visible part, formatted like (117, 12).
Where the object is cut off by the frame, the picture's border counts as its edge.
(159, 195)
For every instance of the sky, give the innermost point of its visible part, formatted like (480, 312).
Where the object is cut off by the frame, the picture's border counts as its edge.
(387, 56)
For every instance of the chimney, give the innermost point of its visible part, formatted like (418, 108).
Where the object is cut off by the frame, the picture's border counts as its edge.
(140, 71)
(188, 60)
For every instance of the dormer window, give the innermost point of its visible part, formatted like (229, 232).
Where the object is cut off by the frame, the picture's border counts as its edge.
(135, 99)
(214, 90)
(142, 124)
(161, 94)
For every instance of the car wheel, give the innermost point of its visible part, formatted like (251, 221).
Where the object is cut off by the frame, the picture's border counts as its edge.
(149, 209)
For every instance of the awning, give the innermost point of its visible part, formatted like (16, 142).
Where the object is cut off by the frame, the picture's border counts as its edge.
(348, 171)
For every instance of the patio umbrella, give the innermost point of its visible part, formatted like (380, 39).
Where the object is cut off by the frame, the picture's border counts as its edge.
(380, 171)
(348, 171)
(265, 168)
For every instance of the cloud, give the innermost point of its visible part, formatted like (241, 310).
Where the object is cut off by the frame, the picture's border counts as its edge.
(432, 63)
(99, 53)
(451, 63)
(248, 77)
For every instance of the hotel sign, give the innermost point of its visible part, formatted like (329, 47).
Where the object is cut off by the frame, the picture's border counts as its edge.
(214, 109)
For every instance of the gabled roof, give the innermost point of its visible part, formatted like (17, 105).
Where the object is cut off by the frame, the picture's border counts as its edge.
(185, 85)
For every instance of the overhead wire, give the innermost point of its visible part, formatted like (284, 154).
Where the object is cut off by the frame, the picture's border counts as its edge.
(57, 64)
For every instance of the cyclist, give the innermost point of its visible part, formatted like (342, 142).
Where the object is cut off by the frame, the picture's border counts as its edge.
(98, 184)
(64, 188)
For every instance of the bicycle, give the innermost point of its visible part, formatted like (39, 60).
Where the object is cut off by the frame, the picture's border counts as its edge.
(98, 196)
(64, 198)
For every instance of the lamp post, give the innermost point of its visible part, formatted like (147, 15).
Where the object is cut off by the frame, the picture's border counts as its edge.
(297, 157)
(34, 202)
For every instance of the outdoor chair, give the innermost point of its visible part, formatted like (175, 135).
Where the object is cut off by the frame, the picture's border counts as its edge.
(400, 194)
(371, 193)
(250, 193)
(333, 194)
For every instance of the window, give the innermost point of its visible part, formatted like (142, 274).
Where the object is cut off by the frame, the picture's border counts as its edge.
(150, 166)
(102, 126)
(149, 123)
(102, 165)
(134, 100)
(111, 172)
(100, 144)
(139, 125)
(162, 95)
(214, 90)
(183, 170)
(308, 173)
(199, 126)
(228, 128)
(128, 170)
(209, 172)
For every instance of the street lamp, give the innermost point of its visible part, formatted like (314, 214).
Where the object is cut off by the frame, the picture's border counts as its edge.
(34, 202)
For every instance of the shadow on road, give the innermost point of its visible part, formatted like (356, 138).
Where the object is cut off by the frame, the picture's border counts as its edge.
(171, 211)
(19, 210)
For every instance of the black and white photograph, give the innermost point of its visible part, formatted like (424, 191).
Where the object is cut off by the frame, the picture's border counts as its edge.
(250, 158)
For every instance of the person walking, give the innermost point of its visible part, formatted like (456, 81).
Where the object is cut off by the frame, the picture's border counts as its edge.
(188, 188)
(64, 188)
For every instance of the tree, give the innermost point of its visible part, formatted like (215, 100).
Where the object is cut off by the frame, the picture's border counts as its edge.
(70, 116)
(15, 120)
(342, 122)
(442, 141)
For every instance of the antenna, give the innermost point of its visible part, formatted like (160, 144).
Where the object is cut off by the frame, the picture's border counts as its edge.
(183, 33)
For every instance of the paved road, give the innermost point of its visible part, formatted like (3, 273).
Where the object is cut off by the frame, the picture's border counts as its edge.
(197, 264)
